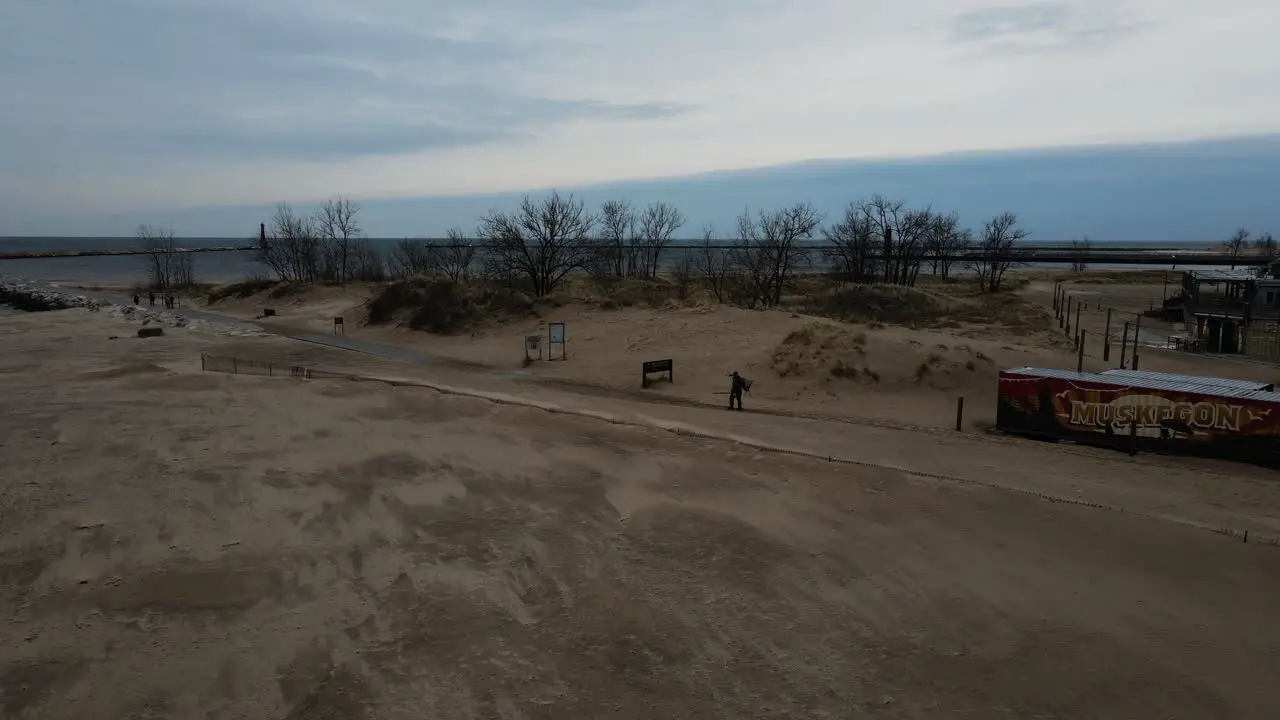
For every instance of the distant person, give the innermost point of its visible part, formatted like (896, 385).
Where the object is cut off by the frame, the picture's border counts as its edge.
(739, 384)
(136, 299)
(152, 296)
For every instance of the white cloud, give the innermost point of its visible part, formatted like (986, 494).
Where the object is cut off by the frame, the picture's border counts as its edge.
(142, 103)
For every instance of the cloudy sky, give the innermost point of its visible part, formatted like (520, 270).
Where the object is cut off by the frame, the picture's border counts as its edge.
(149, 104)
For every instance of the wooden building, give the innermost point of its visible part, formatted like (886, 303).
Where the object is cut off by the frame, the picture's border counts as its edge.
(1233, 311)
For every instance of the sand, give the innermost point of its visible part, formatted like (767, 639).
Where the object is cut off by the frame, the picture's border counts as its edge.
(562, 543)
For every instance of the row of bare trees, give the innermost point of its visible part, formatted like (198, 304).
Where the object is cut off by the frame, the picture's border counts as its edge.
(328, 245)
(881, 240)
(545, 240)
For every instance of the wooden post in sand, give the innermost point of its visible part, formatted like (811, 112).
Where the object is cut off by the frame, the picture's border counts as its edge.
(1057, 288)
(1124, 341)
(1137, 328)
(959, 413)
(1068, 316)
(1078, 316)
(1106, 339)
(1080, 353)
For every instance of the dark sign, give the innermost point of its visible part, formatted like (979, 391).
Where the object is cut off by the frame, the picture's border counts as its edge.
(653, 367)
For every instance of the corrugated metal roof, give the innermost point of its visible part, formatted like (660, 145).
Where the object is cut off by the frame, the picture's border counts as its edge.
(1225, 275)
(1190, 379)
(1146, 384)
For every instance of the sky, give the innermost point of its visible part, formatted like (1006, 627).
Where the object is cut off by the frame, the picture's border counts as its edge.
(135, 106)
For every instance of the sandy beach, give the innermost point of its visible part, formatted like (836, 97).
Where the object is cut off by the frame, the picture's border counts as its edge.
(474, 536)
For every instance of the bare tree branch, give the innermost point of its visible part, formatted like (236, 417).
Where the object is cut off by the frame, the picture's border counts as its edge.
(852, 246)
(713, 264)
(168, 266)
(410, 257)
(944, 241)
(1265, 245)
(1080, 252)
(1236, 244)
(292, 246)
(542, 241)
(618, 252)
(453, 256)
(337, 225)
(997, 250)
(771, 247)
(658, 225)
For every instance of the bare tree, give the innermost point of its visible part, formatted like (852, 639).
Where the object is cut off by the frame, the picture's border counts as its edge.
(997, 250)
(364, 262)
(683, 273)
(337, 224)
(1265, 245)
(713, 264)
(658, 225)
(618, 242)
(912, 236)
(410, 257)
(771, 247)
(292, 246)
(1236, 244)
(851, 246)
(453, 256)
(903, 235)
(157, 244)
(944, 241)
(883, 215)
(1079, 255)
(542, 241)
(168, 266)
(184, 270)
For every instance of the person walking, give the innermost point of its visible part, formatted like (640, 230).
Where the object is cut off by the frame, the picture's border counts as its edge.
(152, 297)
(137, 300)
(735, 390)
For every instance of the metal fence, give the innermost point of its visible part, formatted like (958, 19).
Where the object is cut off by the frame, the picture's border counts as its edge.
(242, 366)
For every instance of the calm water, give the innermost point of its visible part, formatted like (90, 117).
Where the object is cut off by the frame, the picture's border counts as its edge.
(215, 267)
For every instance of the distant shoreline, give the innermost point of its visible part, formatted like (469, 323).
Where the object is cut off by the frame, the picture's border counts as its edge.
(31, 255)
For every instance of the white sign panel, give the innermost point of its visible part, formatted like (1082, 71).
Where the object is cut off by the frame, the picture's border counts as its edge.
(555, 333)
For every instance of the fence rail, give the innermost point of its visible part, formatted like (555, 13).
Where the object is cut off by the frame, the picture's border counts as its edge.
(242, 366)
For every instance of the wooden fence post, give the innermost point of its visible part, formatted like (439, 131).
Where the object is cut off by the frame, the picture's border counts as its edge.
(959, 413)
(1106, 339)
(1137, 328)
(1124, 342)
(1080, 353)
